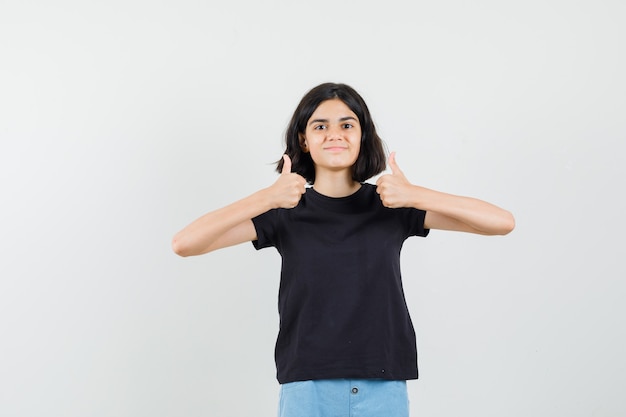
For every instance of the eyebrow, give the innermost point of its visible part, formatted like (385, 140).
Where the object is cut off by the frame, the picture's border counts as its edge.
(342, 119)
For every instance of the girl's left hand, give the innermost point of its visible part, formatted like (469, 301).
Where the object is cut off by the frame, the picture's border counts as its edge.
(443, 211)
(394, 189)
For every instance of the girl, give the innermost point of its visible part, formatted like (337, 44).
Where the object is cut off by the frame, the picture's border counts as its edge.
(346, 344)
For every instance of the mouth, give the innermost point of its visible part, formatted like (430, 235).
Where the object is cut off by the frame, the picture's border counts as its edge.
(335, 148)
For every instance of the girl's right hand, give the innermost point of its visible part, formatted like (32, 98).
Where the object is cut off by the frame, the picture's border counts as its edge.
(288, 188)
(232, 224)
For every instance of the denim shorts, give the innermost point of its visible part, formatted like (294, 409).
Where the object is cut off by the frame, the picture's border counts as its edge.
(344, 398)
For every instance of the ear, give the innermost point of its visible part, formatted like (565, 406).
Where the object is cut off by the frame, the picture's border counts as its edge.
(303, 144)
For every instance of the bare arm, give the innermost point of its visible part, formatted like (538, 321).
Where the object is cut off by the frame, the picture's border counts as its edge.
(232, 224)
(443, 211)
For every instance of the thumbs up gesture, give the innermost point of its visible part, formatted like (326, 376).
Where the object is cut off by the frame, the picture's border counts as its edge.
(394, 189)
(288, 188)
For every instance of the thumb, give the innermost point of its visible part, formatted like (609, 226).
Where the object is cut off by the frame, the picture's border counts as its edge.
(395, 169)
(286, 165)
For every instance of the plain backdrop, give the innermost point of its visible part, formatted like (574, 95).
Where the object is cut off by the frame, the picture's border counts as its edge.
(122, 121)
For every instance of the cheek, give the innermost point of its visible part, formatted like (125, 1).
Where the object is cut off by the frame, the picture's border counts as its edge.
(357, 144)
(312, 137)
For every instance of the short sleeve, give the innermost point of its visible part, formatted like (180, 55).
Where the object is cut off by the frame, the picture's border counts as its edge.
(265, 225)
(414, 221)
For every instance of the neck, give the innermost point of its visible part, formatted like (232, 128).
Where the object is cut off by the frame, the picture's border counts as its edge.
(335, 184)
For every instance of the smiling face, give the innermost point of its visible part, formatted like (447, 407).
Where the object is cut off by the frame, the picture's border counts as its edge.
(332, 137)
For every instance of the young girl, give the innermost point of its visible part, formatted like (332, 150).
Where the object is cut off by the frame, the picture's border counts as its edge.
(346, 344)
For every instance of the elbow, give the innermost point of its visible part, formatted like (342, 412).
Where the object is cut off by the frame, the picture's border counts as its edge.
(501, 225)
(179, 247)
(508, 224)
(183, 247)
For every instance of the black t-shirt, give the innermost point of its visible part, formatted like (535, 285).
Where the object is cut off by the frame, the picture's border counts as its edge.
(341, 304)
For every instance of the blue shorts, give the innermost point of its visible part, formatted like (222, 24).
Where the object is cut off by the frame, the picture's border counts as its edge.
(344, 398)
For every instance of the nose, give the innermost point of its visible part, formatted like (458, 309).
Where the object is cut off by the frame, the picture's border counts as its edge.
(334, 132)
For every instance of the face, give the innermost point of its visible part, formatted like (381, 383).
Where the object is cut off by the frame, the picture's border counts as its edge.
(332, 137)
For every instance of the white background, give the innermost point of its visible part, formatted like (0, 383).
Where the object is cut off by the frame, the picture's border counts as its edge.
(122, 121)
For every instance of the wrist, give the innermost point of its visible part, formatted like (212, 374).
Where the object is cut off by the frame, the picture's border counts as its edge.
(421, 198)
(266, 199)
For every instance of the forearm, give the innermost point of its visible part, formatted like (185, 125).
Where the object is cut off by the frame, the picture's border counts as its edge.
(461, 213)
(200, 236)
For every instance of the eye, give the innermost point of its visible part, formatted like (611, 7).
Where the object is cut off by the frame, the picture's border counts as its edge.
(319, 127)
(348, 125)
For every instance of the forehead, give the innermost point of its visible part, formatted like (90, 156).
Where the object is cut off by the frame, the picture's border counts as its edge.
(332, 109)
